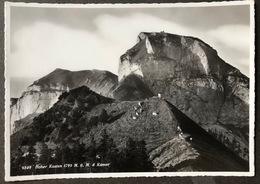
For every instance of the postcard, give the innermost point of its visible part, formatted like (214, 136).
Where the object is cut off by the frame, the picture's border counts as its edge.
(129, 90)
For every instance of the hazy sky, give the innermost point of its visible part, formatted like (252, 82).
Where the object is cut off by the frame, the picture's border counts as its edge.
(43, 39)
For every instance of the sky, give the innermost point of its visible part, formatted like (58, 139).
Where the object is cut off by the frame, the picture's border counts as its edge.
(43, 39)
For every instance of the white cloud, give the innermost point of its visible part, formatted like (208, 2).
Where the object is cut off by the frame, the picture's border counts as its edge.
(233, 36)
(41, 47)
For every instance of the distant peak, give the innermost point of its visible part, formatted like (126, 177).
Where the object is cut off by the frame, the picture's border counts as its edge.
(103, 72)
(60, 69)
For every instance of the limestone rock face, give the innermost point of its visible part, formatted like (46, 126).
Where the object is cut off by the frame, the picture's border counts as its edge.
(32, 102)
(190, 74)
(43, 93)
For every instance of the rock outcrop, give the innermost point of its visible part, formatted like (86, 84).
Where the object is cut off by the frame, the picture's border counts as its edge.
(190, 74)
(43, 93)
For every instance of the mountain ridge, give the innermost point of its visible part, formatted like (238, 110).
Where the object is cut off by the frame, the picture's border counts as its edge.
(44, 92)
(163, 123)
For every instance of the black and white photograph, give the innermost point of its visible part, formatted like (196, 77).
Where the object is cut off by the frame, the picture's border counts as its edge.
(126, 90)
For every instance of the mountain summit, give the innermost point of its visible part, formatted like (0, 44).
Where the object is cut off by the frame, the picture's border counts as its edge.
(189, 74)
(97, 80)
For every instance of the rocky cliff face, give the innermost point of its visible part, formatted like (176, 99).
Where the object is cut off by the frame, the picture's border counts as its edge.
(43, 93)
(173, 141)
(190, 74)
(32, 102)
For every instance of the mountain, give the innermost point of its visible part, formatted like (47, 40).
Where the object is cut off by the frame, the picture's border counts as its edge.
(173, 141)
(189, 74)
(175, 106)
(43, 93)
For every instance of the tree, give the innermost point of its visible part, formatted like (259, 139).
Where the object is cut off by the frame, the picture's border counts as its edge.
(67, 156)
(63, 96)
(130, 156)
(16, 162)
(91, 151)
(103, 146)
(56, 157)
(45, 154)
(145, 164)
(105, 152)
(44, 158)
(78, 151)
(30, 158)
(135, 157)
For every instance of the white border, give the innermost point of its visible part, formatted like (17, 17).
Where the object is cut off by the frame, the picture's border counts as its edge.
(128, 5)
(7, 92)
(252, 90)
(139, 174)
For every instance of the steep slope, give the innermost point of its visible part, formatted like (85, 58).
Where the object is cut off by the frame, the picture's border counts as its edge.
(81, 113)
(204, 152)
(27, 120)
(190, 74)
(132, 88)
(43, 93)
